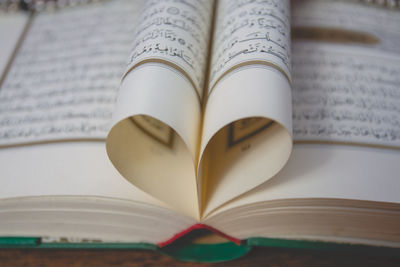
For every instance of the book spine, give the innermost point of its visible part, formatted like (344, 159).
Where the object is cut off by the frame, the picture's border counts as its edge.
(196, 227)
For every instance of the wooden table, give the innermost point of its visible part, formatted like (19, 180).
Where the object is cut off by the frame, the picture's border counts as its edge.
(257, 257)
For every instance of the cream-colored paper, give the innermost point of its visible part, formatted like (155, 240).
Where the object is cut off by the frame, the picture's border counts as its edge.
(143, 151)
(159, 97)
(327, 171)
(345, 94)
(168, 149)
(68, 169)
(232, 169)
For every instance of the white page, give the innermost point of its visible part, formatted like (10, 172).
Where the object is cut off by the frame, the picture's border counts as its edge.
(175, 33)
(63, 81)
(249, 82)
(341, 90)
(69, 168)
(254, 91)
(154, 152)
(327, 171)
(155, 137)
(346, 75)
(93, 64)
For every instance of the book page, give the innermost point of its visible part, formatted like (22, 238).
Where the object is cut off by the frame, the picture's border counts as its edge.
(247, 122)
(345, 106)
(176, 34)
(250, 33)
(155, 137)
(64, 169)
(58, 93)
(330, 171)
(62, 83)
(347, 74)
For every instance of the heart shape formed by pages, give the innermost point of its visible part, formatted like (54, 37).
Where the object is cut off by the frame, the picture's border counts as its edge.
(161, 148)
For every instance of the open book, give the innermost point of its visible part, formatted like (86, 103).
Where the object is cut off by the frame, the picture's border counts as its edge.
(128, 121)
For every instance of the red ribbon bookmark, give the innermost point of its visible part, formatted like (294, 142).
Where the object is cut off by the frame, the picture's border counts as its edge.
(195, 227)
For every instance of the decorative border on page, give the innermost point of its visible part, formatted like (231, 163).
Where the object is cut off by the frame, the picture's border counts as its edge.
(333, 35)
(238, 134)
(162, 136)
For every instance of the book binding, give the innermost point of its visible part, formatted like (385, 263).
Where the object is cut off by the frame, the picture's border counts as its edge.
(197, 227)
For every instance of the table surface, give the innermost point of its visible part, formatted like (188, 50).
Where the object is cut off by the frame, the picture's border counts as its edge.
(257, 257)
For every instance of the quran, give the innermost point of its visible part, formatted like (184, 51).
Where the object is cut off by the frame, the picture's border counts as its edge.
(137, 122)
